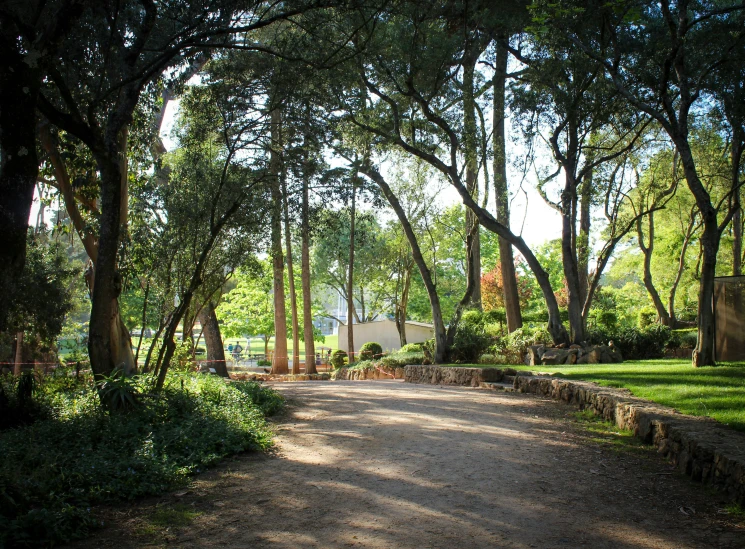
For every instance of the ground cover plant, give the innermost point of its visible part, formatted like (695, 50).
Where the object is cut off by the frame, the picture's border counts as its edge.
(74, 454)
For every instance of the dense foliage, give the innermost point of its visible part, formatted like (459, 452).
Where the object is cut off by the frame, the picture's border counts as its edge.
(71, 454)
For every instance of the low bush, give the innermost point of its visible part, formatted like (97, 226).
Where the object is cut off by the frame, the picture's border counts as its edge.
(77, 454)
(411, 348)
(338, 358)
(491, 359)
(513, 347)
(263, 362)
(683, 339)
(401, 359)
(635, 343)
(371, 351)
(471, 339)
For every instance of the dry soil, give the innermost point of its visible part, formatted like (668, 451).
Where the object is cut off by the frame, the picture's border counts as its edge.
(384, 464)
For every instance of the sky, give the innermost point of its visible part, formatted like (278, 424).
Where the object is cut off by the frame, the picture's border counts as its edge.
(529, 215)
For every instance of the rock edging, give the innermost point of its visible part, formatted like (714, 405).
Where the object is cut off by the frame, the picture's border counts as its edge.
(287, 377)
(701, 448)
(469, 377)
(360, 374)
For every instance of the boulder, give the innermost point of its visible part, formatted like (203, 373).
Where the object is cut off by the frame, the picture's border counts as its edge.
(555, 356)
(535, 354)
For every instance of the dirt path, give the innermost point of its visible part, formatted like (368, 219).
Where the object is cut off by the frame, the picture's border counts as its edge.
(393, 465)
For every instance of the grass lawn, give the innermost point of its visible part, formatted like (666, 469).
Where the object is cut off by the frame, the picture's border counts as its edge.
(257, 344)
(717, 392)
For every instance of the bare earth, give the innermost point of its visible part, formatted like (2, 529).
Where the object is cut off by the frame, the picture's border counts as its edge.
(384, 464)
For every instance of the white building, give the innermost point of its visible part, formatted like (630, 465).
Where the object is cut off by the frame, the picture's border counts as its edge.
(384, 332)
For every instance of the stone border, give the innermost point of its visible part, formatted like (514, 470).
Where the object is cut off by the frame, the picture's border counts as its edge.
(701, 448)
(288, 377)
(360, 374)
(469, 377)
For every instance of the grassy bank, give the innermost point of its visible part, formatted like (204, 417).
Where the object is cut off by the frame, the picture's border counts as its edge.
(65, 454)
(716, 392)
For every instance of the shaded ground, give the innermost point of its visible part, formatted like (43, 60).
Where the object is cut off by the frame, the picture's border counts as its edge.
(383, 464)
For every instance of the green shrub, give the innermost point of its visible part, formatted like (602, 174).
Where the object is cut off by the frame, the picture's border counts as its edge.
(470, 339)
(646, 317)
(608, 319)
(80, 455)
(401, 359)
(371, 351)
(634, 344)
(338, 358)
(541, 316)
(263, 362)
(490, 359)
(683, 339)
(411, 348)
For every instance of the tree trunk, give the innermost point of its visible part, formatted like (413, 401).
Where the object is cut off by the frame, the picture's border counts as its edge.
(736, 158)
(291, 281)
(473, 240)
(19, 166)
(109, 344)
(213, 339)
(350, 278)
(501, 192)
(18, 365)
(703, 354)
(401, 309)
(144, 321)
(440, 331)
(279, 361)
(647, 250)
(583, 240)
(310, 346)
(555, 326)
(569, 261)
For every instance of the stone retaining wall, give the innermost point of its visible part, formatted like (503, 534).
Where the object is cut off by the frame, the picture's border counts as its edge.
(699, 447)
(359, 374)
(273, 377)
(471, 377)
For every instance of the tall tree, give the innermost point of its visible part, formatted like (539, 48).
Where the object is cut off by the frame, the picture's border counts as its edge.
(280, 358)
(683, 44)
(501, 192)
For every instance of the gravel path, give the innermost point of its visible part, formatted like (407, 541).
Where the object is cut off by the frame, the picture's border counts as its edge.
(384, 464)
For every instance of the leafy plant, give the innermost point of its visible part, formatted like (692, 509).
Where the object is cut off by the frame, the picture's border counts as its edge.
(118, 392)
(371, 351)
(75, 456)
(338, 358)
(411, 348)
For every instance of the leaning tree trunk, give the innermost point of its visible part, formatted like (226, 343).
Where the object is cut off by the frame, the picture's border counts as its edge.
(350, 278)
(19, 166)
(401, 309)
(473, 240)
(213, 339)
(506, 258)
(310, 348)
(291, 281)
(440, 330)
(279, 361)
(647, 251)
